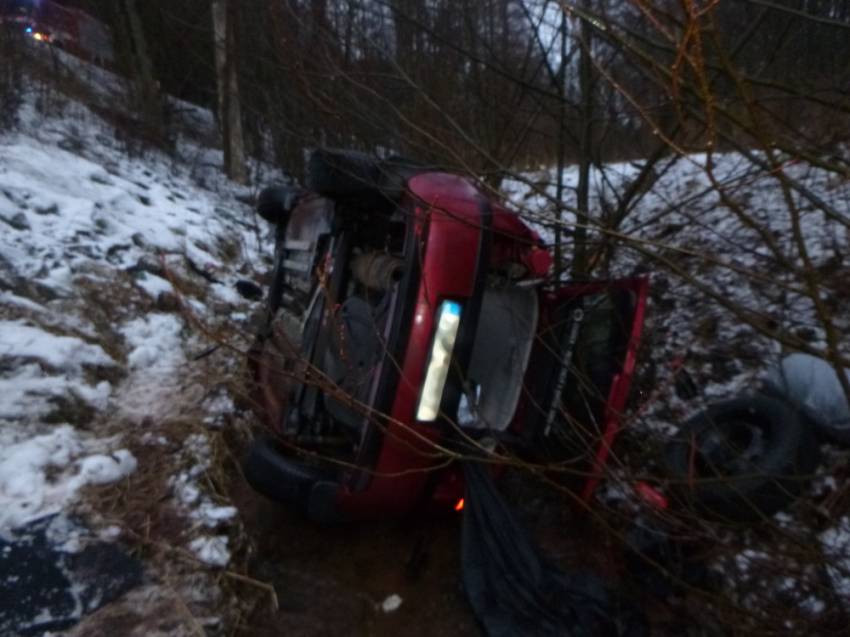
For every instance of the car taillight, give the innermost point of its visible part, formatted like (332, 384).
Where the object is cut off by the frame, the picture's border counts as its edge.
(448, 322)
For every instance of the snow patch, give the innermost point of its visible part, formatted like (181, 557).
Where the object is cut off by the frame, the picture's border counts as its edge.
(211, 549)
(392, 603)
(155, 342)
(154, 285)
(40, 475)
(20, 340)
(836, 547)
(26, 392)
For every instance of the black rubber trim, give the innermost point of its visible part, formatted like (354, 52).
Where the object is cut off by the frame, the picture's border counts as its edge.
(280, 478)
(471, 313)
(307, 405)
(276, 287)
(394, 357)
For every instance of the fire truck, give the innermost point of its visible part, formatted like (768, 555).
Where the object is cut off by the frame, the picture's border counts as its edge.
(65, 27)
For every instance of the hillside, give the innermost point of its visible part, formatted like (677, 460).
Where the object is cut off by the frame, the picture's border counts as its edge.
(117, 278)
(121, 353)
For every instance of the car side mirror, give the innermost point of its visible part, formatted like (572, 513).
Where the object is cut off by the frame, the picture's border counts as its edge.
(276, 202)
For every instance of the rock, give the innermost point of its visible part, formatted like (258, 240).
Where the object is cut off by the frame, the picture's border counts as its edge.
(167, 302)
(249, 290)
(52, 209)
(102, 179)
(148, 611)
(18, 221)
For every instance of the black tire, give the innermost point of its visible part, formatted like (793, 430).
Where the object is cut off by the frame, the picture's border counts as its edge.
(717, 466)
(359, 180)
(276, 202)
(834, 433)
(343, 174)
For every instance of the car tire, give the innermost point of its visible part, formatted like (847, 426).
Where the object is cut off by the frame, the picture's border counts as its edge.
(342, 174)
(275, 203)
(742, 459)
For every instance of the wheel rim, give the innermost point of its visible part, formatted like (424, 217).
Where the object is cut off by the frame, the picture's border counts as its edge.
(729, 447)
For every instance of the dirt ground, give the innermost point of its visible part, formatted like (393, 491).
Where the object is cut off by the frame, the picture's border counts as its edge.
(332, 580)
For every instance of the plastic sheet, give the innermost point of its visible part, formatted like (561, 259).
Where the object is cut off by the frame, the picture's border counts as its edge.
(811, 384)
(515, 590)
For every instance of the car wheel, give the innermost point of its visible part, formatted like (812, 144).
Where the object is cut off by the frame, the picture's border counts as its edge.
(742, 459)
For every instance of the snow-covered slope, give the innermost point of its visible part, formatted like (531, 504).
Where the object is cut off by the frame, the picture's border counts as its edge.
(708, 260)
(716, 236)
(111, 266)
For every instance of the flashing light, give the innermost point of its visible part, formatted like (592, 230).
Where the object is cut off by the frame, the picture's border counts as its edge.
(28, 30)
(448, 322)
(39, 36)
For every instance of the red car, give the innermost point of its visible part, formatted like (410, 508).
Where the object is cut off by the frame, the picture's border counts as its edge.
(412, 318)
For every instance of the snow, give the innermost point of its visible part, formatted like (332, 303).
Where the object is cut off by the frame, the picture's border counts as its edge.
(9, 297)
(63, 352)
(41, 366)
(155, 342)
(154, 285)
(836, 548)
(103, 469)
(27, 392)
(39, 475)
(93, 243)
(187, 485)
(391, 604)
(211, 549)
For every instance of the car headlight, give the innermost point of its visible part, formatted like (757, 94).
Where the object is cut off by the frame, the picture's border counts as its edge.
(448, 322)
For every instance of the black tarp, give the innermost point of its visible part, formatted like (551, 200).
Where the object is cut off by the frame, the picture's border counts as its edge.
(515, 590)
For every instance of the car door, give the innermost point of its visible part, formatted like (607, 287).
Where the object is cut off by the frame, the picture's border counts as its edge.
(578, 379)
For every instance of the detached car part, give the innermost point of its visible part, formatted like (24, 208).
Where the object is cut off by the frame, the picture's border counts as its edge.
(812, 385)
(742, 459)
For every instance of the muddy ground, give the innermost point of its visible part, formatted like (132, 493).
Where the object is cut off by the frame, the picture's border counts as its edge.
(332, 581)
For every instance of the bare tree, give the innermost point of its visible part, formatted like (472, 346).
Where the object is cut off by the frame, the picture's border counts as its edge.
(148, 94)
(229, 109)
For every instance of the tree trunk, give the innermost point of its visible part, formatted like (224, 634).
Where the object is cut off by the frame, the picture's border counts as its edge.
(562, 147)
(148, 92)
(585, 152)
(229, 110)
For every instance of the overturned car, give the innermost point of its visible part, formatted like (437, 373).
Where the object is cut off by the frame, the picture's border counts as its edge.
(410, 321)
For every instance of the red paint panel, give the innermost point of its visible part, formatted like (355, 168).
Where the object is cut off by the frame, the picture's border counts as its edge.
(448, 217)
